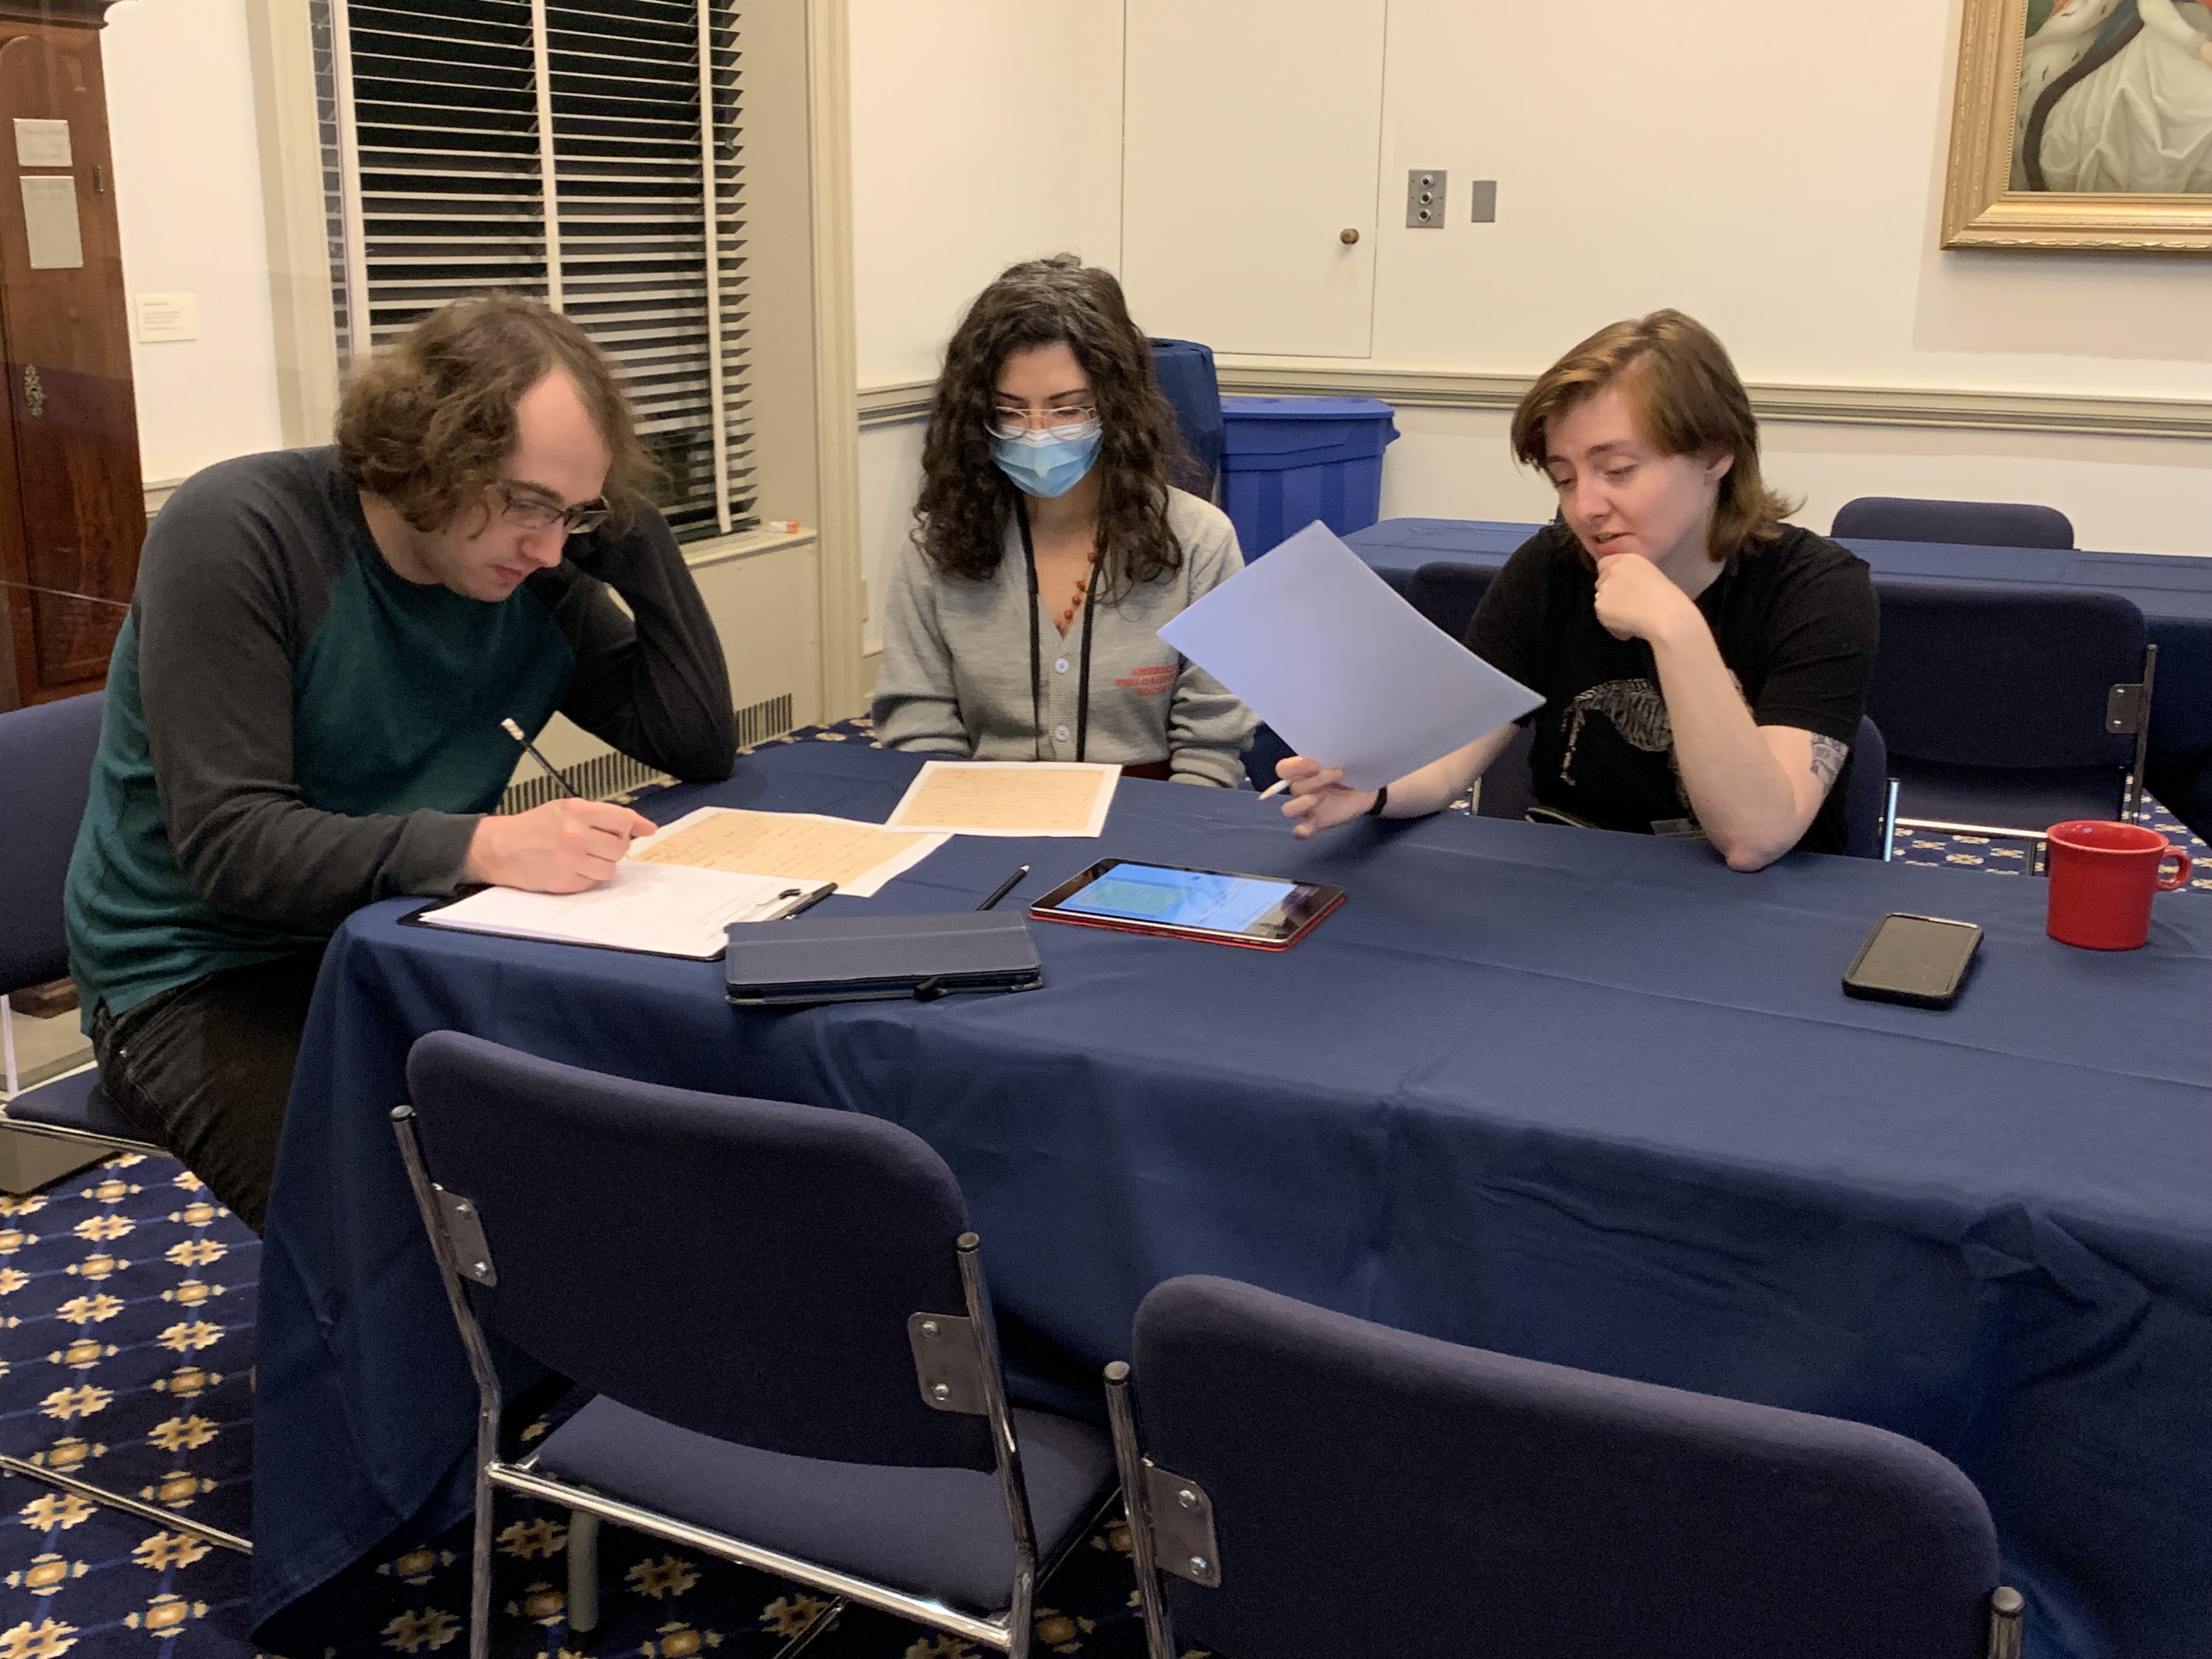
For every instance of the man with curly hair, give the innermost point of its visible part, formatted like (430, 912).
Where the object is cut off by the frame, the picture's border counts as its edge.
(304, 708)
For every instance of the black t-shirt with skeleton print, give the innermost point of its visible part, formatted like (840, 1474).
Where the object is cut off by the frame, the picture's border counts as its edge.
(1795, 621)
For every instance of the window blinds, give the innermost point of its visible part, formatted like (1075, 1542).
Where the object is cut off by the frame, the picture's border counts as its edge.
(582, 152)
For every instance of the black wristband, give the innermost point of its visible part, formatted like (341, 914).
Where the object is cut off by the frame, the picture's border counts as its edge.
(1382, 800)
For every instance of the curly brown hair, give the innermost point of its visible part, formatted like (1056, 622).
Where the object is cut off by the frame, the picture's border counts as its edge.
(1687, 401)
(427, 420)
(966, 502)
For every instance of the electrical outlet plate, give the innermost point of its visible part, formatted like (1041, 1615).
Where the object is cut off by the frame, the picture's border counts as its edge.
(1486, 201)
(1425, 199)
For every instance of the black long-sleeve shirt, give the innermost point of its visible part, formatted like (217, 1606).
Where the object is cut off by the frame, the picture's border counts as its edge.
(294, 730)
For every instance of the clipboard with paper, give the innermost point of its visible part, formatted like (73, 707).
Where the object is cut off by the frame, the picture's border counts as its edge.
(1346, 672)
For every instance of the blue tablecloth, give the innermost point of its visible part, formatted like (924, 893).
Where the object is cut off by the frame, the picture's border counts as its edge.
(2175, 594)
(1586, 1097)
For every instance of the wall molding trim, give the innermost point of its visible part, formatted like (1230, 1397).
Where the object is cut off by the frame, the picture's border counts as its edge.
(1932, 407)
(887, 405)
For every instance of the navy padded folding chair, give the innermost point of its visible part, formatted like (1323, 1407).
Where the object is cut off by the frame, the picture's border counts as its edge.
(1185, 371)
(1447, 592)
(1869, 796)
(782, 1312)
(1310, 1485)
(1975, 523)
(2008, 710)
(45, 756)
(1267, 748)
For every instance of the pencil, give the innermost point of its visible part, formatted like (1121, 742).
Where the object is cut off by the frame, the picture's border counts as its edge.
(515, 731)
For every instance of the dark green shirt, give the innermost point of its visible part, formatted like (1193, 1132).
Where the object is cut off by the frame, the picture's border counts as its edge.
(293, 730)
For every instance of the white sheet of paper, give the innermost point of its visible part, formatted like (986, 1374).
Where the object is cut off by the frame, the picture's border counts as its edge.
(1008, 798)
(673, 908)
(50, 222)
(40, 143)
(1348, 674)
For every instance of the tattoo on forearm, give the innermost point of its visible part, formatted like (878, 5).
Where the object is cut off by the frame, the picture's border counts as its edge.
(1828, 757)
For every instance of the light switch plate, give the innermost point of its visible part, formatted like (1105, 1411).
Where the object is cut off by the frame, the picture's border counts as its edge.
(1486, 201)
(1425, 199)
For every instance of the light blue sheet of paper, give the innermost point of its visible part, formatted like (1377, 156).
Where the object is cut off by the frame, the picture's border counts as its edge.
(1348, 674)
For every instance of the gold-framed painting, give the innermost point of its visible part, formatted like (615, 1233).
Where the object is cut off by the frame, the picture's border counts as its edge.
(2082, 124)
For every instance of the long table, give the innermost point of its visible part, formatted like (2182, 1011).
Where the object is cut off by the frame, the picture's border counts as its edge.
(1590, 1098)
(2174, 593)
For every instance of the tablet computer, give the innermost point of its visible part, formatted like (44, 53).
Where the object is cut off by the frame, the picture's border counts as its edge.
(1266, 913)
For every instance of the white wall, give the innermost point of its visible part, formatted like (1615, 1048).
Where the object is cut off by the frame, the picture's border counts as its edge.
(1778, 171)
(1775, 170)
(984, 131)
(188, 200)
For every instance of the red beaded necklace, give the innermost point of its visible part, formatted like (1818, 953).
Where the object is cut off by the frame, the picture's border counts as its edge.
(1082, 590)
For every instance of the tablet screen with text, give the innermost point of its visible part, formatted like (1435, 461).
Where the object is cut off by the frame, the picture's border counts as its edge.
(1261, 910)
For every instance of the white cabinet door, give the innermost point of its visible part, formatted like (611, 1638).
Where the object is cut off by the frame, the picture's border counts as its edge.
(1252, 134)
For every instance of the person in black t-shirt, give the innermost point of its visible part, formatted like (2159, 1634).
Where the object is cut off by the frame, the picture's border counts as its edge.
(1704, 665)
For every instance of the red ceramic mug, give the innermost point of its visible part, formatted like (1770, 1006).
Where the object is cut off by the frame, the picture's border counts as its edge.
(2102, 877)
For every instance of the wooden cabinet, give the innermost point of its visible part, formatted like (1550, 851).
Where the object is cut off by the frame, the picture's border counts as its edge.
(72, 503)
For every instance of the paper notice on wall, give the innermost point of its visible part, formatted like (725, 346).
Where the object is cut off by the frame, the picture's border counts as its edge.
(164, 317)
(42, 144)
(50, 223)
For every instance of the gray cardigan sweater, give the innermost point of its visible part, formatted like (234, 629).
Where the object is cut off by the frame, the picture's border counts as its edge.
(955, 678)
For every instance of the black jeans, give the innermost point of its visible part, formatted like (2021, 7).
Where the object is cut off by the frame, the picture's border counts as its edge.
(205, 1070)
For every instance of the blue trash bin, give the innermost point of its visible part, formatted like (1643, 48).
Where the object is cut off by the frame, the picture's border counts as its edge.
(1287, 461)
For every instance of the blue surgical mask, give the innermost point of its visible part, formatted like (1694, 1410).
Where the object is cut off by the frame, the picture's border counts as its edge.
(1047, 463)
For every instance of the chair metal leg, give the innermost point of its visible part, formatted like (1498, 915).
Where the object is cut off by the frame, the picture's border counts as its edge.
(480, 1561)
(2135, 797)
(1021, 1622)
(1889, 822)
(821, 1625)
(1159, 1638)
(131, 1506)
(583, 1571)
(480, 1365)
(2005, 1607)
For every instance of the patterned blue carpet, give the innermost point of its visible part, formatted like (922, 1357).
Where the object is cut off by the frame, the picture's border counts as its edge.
(126, 1349)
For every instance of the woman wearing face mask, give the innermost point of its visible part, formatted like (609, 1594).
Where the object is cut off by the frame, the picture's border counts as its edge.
(1703, 664)
(1049, 548)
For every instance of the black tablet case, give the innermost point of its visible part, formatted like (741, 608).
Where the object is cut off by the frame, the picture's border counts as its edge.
(866, 958)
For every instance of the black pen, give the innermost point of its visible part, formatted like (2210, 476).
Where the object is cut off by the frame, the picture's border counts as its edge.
(515, 731)
(1005, 888)
(806, 903)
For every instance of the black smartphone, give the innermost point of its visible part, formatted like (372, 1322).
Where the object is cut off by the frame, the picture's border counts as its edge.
(1920, 960)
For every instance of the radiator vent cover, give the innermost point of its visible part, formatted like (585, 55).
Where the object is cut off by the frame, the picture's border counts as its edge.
(758, 722)
(600, 778)
(606, 775)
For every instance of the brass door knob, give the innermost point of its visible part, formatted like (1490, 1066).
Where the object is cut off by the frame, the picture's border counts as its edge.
(1347, 236)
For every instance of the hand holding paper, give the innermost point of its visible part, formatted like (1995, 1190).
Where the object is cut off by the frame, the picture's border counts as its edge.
(1347, 673)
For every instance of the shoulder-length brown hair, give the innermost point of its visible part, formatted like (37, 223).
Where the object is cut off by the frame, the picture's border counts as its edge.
(966, 502)
(1687, 401)
(427, 420)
